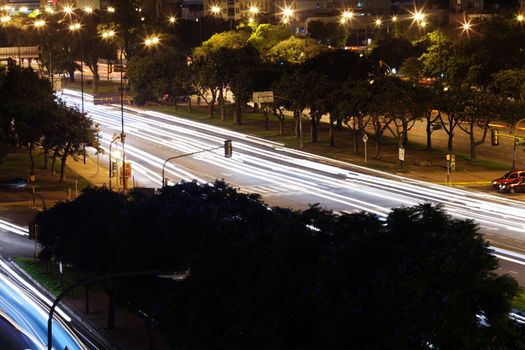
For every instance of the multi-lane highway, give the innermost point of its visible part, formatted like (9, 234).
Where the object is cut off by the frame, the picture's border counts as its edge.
(287, 177)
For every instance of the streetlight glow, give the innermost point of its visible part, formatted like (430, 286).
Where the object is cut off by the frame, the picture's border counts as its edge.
(68, 9)
(23, 9)
(287, 12)
(39, 23)
(88, 9)
(254, 10)
(394, 18)
(5, 19)
(152, 41)
(378, 22)
(418, 16)
(50, 10)
(74, 26)
(520, 18)
(172, 19)
(215, 9)
(348, 14)
(110, 9)
(250, 20)
(108, 34)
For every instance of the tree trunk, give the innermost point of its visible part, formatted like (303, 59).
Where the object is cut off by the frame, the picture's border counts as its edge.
(96, 77)
(404, 141)
(331, 136)
(211, 108)
(339, 124)
(429, 132)
(266, 119)
(32, 159)
(313, 129)
(63, 168)
(46, 156)
(189, 103)
(473, 145)
(450, 141)
(378, 146)
(237, 113)
(355, 136)
(112, 309)
(54, 162)
(71, 74)
(296, 123)
(222, 106)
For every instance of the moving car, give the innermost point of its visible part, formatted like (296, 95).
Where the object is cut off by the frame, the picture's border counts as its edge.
(512, 181)
(14, 183)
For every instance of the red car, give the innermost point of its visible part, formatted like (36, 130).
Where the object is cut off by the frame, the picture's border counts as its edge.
(512, 181)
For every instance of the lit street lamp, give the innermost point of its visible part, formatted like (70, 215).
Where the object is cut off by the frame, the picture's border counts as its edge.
(108, 35)
(74, 27)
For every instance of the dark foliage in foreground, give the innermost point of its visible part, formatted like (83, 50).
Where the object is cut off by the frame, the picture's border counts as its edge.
(273, 278)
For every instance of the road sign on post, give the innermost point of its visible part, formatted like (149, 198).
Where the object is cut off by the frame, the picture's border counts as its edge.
(365, 140)
(262, 97)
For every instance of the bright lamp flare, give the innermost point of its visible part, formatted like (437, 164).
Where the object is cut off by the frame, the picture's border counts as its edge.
(520, 18)
(287, 12)
(108, 34)
(419, 16)
(254, 9)
(348, 14)
(394, 18)
(172, 19)
(88, 9)
(39, 23)
(378, 22)
(50, 10)
(68, 9)
(23, 9)
(74, 26)
(110, 9)
(5, 19)
(215, 9)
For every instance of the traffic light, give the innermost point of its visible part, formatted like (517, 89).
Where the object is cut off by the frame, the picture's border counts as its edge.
(494, 137)
(228, 149)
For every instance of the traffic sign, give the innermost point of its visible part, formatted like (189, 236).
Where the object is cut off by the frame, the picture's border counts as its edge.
(401, 154)
(365, 138)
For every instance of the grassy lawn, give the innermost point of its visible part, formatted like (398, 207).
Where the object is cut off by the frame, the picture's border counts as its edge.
(47, 278)
(104, 86)
(17, 165)
(418, 158)
(519, 302)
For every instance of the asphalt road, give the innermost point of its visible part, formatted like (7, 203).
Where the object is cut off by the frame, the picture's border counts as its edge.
(290, 178)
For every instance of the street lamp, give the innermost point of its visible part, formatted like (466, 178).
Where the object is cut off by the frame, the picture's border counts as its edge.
(88, 10)
(254, 10)
(520, 18)
(466, 27)
(176, 276)
(378, 22)
(74, 27)
(110, 9)
(152, 41)
(115, 138)
(109, 35)
(515, 143)
(68, 9)
(172, 19)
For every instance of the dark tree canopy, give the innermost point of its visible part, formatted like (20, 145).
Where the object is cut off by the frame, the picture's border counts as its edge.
(273, 278)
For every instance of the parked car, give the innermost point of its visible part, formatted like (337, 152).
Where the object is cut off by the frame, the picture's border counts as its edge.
(14, 183)
(512, 181)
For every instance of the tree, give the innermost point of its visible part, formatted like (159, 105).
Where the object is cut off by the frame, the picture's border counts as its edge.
(330, 33)
(294, 50)
(393, 51)
(273, 278)
(142, 74)
(412, 68)
(233, 39)
(27, 108)
(76, 132)
(267, 36)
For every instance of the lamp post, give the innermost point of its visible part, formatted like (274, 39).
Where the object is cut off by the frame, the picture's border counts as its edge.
(115, 138)
(177, 277)
(74, 27)
(109, 35)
